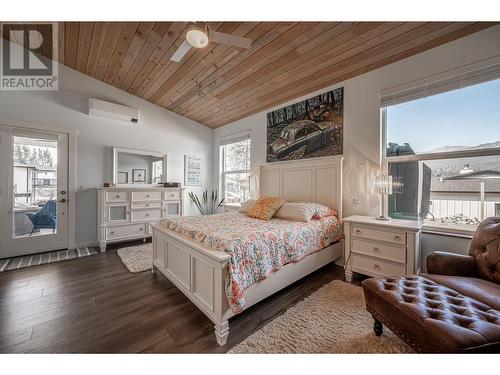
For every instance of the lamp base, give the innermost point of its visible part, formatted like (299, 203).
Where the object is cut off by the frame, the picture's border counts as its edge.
(383, 218)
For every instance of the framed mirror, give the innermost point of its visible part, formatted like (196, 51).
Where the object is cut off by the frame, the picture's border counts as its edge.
(138, 167)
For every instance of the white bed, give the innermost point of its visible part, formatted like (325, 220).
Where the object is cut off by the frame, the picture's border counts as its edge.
(200, 271)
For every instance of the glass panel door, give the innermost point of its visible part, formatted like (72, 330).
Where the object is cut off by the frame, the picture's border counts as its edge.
(33, 193)
(173, 208)
(118, 213)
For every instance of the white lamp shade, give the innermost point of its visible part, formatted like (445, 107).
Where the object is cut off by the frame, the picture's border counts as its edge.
(383, 184)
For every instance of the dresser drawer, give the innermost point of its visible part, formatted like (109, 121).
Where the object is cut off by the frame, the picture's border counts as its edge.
(172, 194)
(124, 231)
(116, 196)
(146, 205)
(146, 196)
(374, 233)
(370, 266)
(154, 214)
(379, 250)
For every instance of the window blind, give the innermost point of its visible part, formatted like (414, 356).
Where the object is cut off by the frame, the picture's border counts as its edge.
(474, 74)
(235, 137)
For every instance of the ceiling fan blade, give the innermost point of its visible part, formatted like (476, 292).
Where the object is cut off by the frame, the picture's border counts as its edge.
(181, 51)
(229, 39)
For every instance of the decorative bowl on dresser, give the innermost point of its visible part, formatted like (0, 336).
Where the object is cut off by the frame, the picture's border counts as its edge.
(381, 248)
(126, 213)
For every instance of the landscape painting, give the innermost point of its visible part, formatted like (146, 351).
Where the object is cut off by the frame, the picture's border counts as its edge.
(309, 129)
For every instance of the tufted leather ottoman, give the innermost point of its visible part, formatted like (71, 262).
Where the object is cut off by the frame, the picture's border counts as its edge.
(435, 318)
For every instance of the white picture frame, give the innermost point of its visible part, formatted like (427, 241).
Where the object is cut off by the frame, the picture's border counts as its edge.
(192, 170)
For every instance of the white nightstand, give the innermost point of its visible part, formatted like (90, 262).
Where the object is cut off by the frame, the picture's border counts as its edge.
(381, 248)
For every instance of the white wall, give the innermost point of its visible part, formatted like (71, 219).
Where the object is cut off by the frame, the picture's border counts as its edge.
(160, 130)
(362, 113)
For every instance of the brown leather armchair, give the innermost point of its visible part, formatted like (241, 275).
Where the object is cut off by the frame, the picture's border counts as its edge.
(454, 307)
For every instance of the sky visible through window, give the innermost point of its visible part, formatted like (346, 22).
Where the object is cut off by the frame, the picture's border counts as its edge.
(461, 118)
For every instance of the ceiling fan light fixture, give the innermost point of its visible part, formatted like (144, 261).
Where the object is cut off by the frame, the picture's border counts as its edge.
(197, 37)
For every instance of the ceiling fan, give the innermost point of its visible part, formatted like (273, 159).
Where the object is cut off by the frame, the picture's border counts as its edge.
(198, 35)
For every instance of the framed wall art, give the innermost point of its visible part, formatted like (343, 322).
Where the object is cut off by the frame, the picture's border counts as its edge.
(192, 170)
(308, 129)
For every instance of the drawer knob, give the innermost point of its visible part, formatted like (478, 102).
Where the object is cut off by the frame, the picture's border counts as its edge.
(147, 204)
(112, 232)
(376, 266)
(147, 195)
(397, 238)
(140, 229)
(376, 250)
(147, 214)
(117, 196)
(358, 231)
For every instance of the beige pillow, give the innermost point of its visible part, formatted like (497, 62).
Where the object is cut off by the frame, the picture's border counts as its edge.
(296, 211)
(265, 208)
(245, 206)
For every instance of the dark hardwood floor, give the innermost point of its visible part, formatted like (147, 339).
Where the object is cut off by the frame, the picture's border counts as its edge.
(94, 305)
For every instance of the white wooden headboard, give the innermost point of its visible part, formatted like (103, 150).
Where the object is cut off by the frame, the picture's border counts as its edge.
(316, 180)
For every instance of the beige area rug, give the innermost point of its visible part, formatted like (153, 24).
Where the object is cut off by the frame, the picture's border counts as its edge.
(331, 320)
(137, 258)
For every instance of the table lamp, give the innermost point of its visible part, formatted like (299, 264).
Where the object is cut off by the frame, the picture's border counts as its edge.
(383, 186)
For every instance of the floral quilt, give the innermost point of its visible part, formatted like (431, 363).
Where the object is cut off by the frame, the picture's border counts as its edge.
(257, 247)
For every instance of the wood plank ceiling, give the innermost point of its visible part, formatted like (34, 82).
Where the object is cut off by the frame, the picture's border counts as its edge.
(220, 84)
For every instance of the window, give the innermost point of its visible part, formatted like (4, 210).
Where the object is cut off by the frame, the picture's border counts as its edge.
(235, 170)
(443, 152)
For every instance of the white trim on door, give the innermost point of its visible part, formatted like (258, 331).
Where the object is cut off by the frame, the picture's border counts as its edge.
(72, 159)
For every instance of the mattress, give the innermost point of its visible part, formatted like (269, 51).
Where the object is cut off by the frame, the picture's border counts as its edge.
(257, 248)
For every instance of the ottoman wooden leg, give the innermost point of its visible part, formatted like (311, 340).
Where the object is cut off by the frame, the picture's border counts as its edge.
(378, 328)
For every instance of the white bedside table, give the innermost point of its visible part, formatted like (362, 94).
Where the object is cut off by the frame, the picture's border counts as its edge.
(381, 248)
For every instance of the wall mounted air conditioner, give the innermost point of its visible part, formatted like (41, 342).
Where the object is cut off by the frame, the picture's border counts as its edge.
(117, 112)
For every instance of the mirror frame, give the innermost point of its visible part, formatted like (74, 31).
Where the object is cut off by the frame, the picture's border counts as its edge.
(156, 154)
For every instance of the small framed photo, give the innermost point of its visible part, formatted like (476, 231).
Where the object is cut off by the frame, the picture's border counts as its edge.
(123, 177)
(138, 175)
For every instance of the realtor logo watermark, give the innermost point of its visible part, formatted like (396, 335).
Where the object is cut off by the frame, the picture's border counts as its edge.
(29, 56)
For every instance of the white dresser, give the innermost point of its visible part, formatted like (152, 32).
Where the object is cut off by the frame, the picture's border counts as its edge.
(125, 213)
(381, 248)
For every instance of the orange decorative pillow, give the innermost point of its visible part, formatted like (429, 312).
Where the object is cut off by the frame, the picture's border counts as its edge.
(265, 207)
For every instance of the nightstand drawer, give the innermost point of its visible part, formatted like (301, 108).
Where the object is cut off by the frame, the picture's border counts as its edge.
(370, 266)
(373, 233)
(374, 249)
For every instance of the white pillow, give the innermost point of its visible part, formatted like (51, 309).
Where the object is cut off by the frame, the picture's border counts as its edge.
(296, 211)
(245, 206)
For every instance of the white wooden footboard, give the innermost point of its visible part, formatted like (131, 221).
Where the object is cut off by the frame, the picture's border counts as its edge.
(198, 271)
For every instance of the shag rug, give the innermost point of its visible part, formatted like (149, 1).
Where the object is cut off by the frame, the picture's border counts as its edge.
(15, 263)
(137, 258)
(331, 320)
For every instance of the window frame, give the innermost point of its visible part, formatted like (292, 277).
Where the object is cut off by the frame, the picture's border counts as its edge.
(222, 163)
(385, 160)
